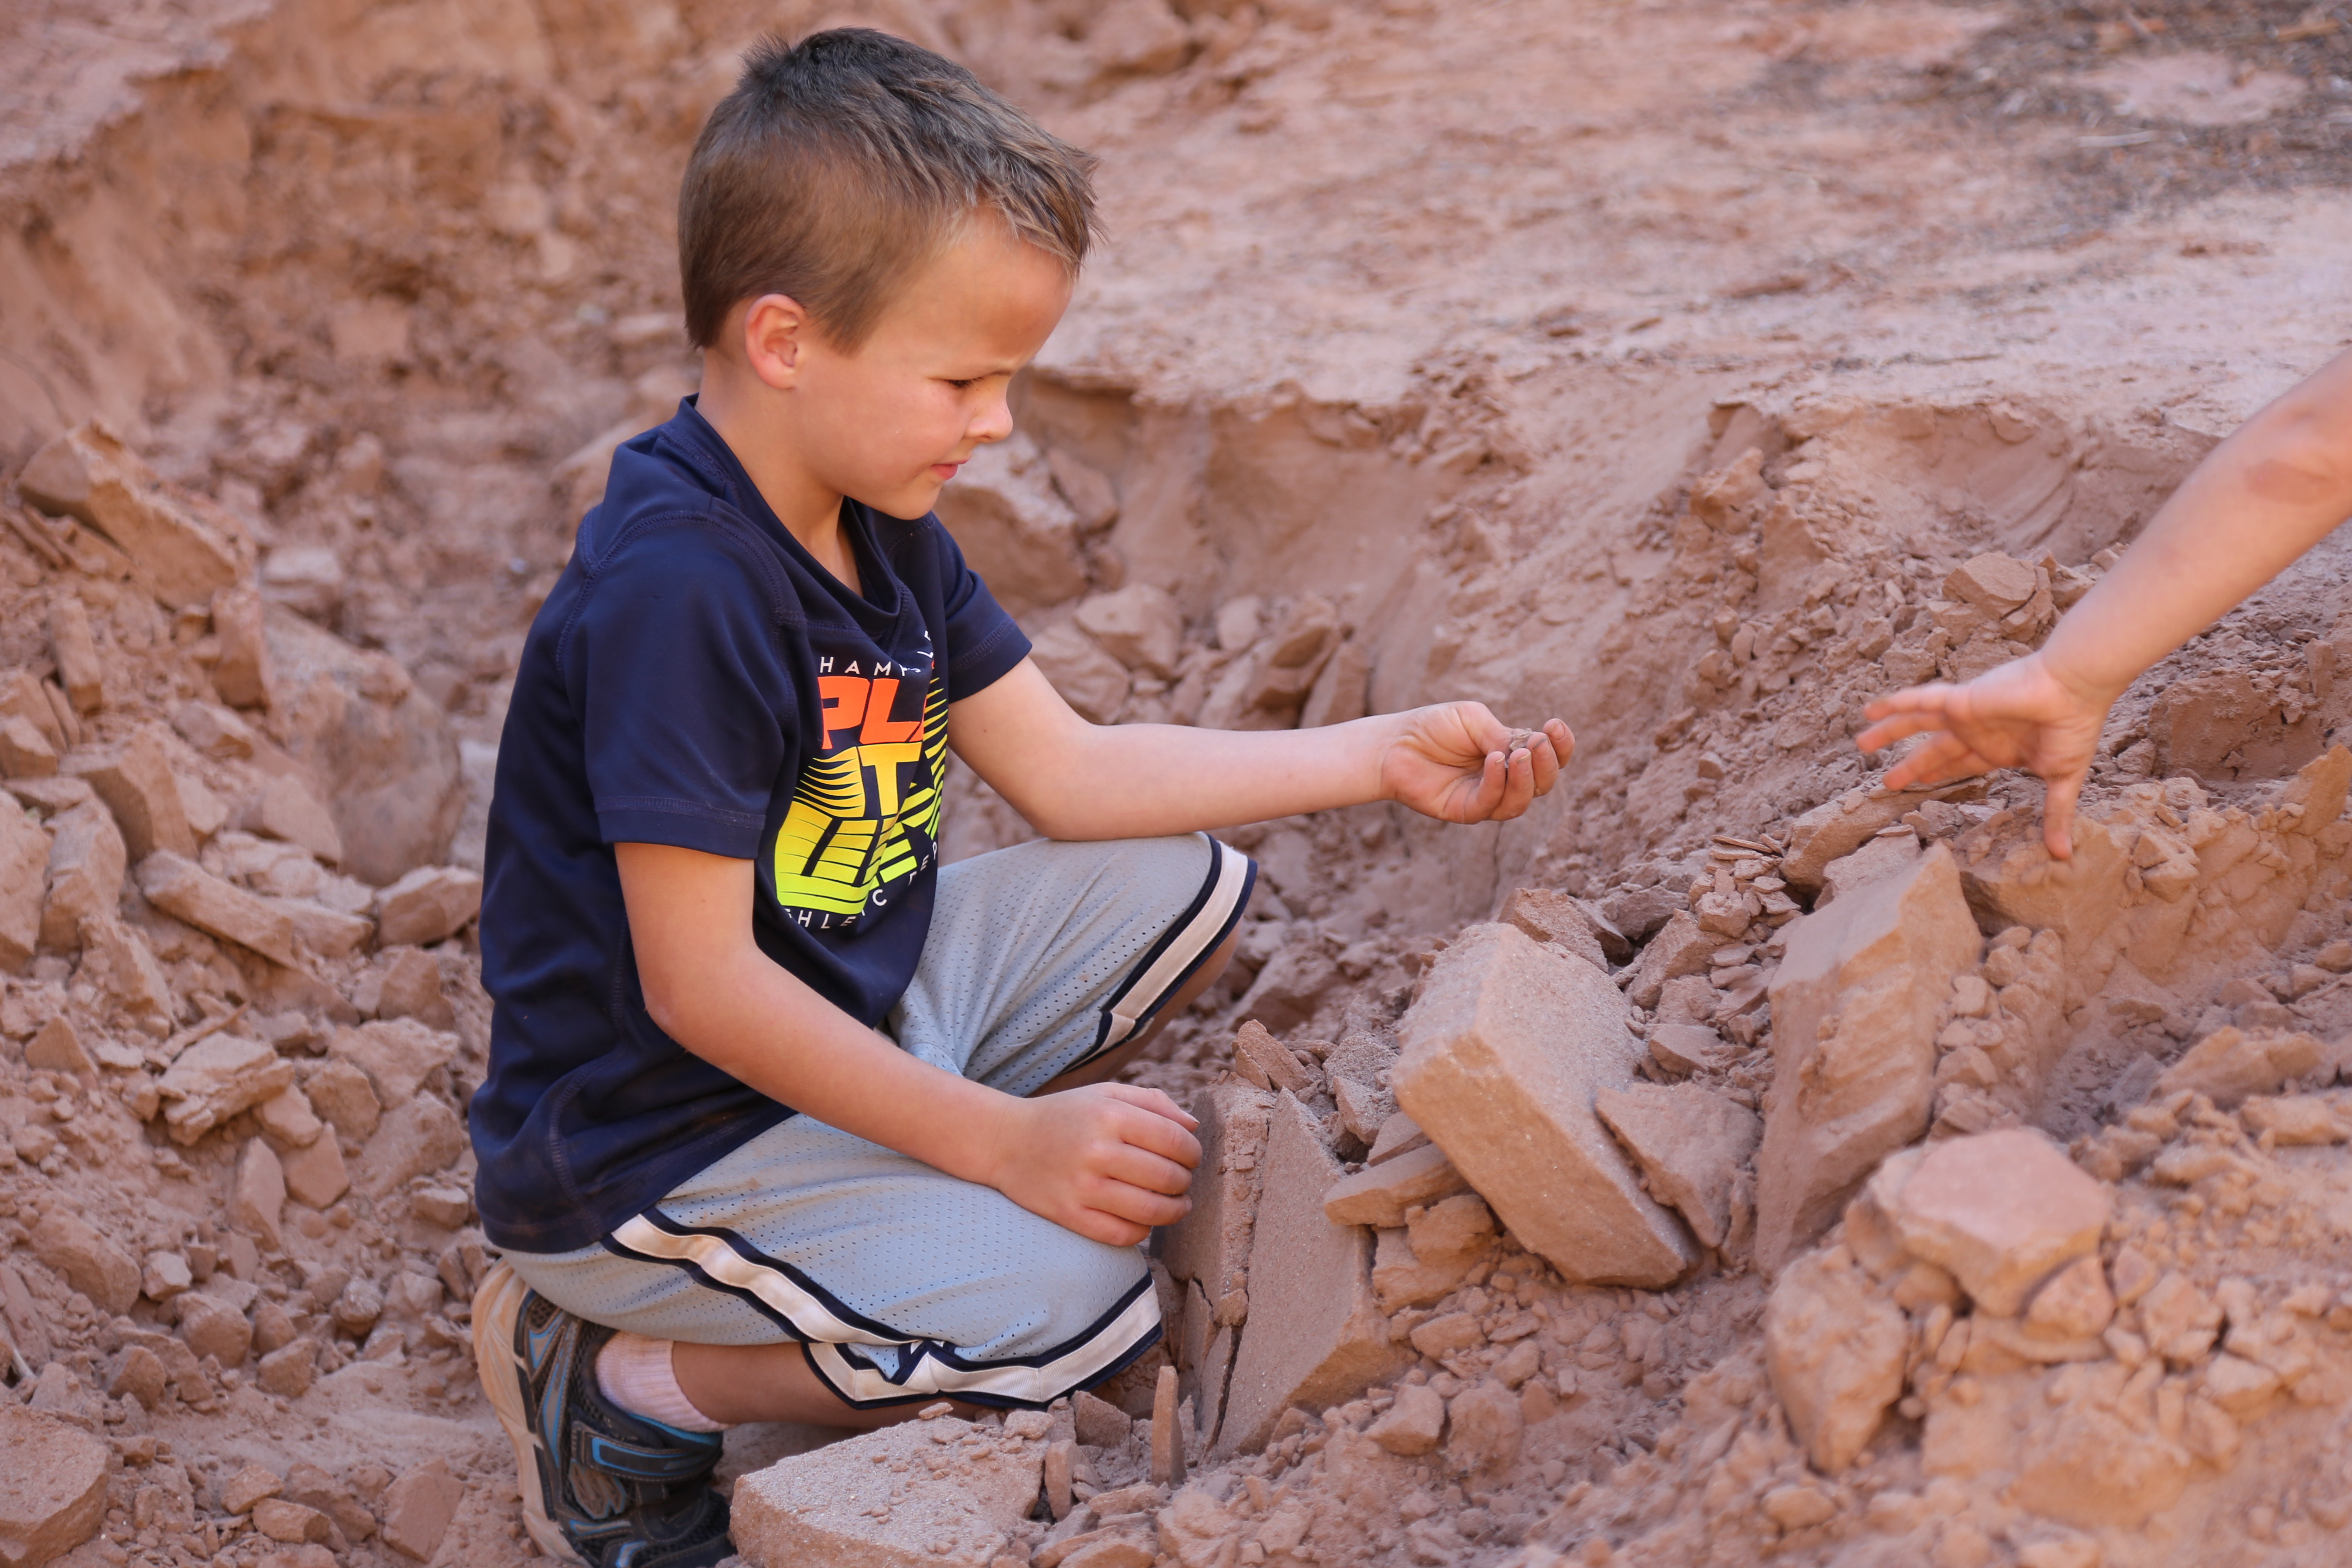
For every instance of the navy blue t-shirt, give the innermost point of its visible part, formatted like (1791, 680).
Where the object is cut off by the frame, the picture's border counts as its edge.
(697, 679)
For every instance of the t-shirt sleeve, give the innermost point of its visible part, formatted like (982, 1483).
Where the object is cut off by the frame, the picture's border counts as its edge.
(983, 641)
(685, 704)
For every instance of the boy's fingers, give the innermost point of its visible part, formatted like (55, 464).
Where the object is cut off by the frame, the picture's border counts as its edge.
(1151, 1100)
(1159, 1137)
(1160, 1155)
(1139, 1205)
(1147, 1172)
(1518, 787)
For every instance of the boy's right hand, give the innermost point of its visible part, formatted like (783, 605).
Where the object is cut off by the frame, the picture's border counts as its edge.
(1109, 1161)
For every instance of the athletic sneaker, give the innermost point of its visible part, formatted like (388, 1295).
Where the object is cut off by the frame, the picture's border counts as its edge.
(601, 1487)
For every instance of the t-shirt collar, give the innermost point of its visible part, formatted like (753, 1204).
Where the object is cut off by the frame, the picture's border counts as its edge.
(709, 450)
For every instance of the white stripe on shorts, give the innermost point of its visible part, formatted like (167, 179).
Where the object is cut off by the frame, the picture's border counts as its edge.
(926, 1368)
(1172, 961)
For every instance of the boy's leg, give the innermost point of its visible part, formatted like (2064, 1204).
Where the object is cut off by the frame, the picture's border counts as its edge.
(1049, 965)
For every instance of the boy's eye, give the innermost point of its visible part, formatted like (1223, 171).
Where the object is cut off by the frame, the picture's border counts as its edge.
(959, 385)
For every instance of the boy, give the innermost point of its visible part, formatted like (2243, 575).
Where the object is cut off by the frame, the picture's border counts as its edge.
(783, 1122)
(2282, 482)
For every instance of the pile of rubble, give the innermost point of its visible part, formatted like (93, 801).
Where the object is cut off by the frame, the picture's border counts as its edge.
(1526, 1262)
(234, 1172)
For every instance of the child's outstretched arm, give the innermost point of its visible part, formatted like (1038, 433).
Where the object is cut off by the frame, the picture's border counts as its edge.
(1455, 762)
(2275, 488)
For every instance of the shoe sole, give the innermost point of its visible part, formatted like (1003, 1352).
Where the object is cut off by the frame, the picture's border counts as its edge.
(498, 1307)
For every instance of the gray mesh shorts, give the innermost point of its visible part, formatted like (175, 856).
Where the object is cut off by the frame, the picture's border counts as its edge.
(904, 1282)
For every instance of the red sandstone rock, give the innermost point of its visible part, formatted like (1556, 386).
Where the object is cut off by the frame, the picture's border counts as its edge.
(135, 780)
(1856, 1004)
(840, 1507)
(1691, 1144)
(1504, 1052)
(418, 1507)
(427, 905)
(89, 474)
(1834, 1344)
(2001, 1211)
(89, 1262)
(1380, 1194)
(1315, 1335)
(1212, 1243)
(52, 1486)
(87, 860)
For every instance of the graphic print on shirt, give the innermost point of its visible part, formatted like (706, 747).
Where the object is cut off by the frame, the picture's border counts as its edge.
(864, 816)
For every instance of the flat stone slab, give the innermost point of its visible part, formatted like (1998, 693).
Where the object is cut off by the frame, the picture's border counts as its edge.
(1856, 1004)
(1504, 1052)
(942, 1493)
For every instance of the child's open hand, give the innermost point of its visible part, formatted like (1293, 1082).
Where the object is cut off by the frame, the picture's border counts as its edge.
(1108, 1161)
(1456, 761)
(2020, 714)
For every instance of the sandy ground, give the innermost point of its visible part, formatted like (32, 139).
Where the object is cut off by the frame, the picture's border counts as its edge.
(1435, 335)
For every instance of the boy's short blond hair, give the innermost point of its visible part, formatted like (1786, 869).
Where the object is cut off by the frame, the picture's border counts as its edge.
(840, 165)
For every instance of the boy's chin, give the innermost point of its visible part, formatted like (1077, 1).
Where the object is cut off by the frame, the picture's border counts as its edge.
(906, 503)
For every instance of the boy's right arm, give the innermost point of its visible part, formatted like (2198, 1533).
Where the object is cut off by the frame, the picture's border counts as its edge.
(2274, 489)
(1108, 1162)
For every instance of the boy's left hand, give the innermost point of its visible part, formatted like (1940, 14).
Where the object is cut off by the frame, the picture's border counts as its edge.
(1456, 761)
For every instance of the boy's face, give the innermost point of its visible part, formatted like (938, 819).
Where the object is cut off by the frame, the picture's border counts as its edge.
(891, 423)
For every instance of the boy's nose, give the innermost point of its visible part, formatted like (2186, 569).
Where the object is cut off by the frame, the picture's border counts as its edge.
(995, 422)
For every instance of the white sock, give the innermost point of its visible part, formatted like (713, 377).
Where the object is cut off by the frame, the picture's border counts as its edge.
(634, 1373)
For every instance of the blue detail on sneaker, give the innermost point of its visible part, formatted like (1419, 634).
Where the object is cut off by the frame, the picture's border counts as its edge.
(624, 1491)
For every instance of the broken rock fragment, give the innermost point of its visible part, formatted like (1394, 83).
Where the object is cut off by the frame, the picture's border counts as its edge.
(87, 862)
(216, 1078)
(426, 906)
(1690, 1144)
(421, 1137)
(1433, 1252)
(1833, 1345)
(1680, 948)
(2232, 1064)
(87, 1260)
(1856, 1004)
(90, 475)
(1315, 1335)
(52, 1486)
(23, 854)
(1380, 1194)
(1267, 1062)
(135, 780)
(397, 1055)
(1139, 626)
(212, 904)
(2000, 1211)
(1211, 1245)
(1836, 829)
(1504, 1051)
(1562, 920)
(885, 1500)
(1411, 1425)
(418, 1507)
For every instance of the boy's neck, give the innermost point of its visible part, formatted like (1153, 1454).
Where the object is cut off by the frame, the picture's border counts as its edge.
(809, 511)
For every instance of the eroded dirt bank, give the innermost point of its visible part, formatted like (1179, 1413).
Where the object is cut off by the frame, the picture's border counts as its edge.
(1690, 371)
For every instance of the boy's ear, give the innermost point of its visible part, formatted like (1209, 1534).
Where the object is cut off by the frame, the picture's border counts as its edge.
(774, 337)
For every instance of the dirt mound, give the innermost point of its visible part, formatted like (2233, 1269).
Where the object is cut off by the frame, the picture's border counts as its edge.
(1625, 1184)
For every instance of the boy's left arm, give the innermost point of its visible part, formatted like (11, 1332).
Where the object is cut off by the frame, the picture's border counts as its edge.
(1070, 779)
